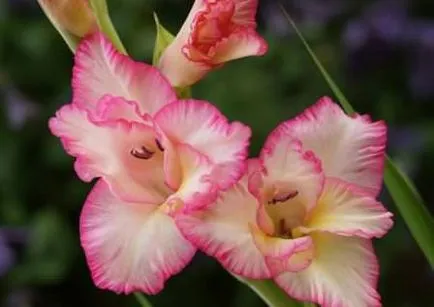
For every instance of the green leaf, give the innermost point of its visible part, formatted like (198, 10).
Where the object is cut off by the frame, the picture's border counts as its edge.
(269, 292)
(407, 199)
(411, 208)
(143, 301)
(70, 39)
(162, 40)
(105, 24)
(333, 86)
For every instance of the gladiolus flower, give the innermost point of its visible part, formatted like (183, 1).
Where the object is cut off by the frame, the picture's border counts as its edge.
(306, 212)
(215, 31)
(75, 16)
(157, 157)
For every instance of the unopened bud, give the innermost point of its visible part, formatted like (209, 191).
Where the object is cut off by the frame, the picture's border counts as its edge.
(75, 16)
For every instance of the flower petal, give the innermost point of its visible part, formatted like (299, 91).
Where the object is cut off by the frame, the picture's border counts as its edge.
(350, 148)
(255, 185)
(112, 108)
(130, 247)
(197, 189)
(346, 210)
(240, 44)
(289, 168)
(105, 149)
(298, 260)
(223, 231)
(282, 254)
(202, 126)
(100, 70)
(245, 12)
(343, 273)
(180, 70)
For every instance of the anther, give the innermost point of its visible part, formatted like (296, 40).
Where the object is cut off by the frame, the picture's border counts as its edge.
(160, 147)
(283, 198)
(143, 154)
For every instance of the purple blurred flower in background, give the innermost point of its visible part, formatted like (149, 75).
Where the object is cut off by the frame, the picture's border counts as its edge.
(384, 21)
(386, 31)
(407, 143)
(317, 12)
(21, 297)
(6, 256)
(373, 39)
(10, 236)
(421, 38)
(305, 12)
(18, 108)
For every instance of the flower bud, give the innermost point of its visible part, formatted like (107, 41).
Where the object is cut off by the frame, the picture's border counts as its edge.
(215, 32)
(74, 16)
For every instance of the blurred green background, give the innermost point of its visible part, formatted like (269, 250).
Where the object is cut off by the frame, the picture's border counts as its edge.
(380, 52)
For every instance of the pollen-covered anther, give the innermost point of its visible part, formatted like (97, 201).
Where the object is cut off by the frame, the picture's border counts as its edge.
(282, 198)
(160, 147)
(143, 153)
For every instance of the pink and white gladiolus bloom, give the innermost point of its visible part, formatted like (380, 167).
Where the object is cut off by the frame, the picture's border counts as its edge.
(306, 211)
(156, 157)
(215, 32)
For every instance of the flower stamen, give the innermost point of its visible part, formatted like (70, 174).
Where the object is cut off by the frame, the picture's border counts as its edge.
(283, 198)
(143, 153)
(283, 230)
(160, 147)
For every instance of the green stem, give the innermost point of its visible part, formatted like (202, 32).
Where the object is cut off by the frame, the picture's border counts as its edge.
(100, 9)
(418, 218)
(143, 301)
(269, 292)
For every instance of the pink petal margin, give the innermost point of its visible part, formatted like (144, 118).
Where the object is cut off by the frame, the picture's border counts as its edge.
(128, 246)
(241, 43)
(315, 285)
(202, 126)
(348, 210)
(351, 148)
(286, 161)
(223, 231)
(101, 70)
(245, 13)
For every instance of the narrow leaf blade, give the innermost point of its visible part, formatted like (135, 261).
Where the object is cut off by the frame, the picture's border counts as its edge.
(411, 208)
(105, 23)
(142, 300)
(162, 40)
(269, 292)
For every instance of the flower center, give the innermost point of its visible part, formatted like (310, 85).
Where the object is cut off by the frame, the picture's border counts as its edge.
(146, 167)
(144, 153)
(287, 211)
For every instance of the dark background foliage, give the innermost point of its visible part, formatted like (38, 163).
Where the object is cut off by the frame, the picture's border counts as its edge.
(381, 53)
